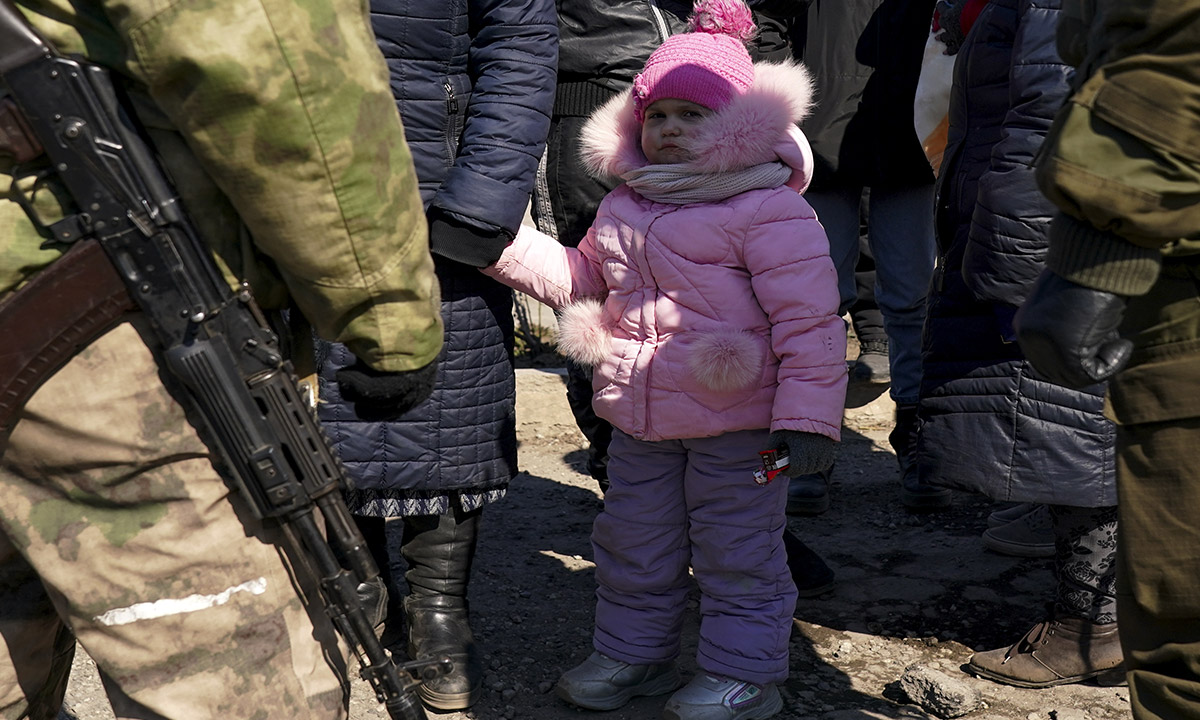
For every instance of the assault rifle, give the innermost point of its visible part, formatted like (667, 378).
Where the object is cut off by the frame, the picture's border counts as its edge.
(131, 244)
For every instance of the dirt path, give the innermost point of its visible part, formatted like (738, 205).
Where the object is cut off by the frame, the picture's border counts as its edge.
(911, 589)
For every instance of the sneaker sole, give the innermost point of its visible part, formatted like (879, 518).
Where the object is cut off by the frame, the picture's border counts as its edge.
(659, 686)
(771, 706)
(1017, 549)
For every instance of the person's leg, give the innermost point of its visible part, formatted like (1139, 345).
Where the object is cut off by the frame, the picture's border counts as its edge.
(1080, 640)
(1156, 403)
(838, 211)
(810, 574)
(640, 546)
(36, 649)
(900, 232)
(746, 593)
(374, 532)
(440, 550)
(185, 602)
(739, 560)
(866, 319)
(1159, 595)
(641, 552)
(597, 430)
(1085, 563)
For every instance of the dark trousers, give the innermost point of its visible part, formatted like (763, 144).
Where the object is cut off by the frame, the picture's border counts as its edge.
(1156, 403)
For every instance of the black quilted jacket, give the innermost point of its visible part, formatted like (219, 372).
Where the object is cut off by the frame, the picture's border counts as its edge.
(988, 422)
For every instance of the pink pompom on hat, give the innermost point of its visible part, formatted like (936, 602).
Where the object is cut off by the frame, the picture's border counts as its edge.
(707, 65)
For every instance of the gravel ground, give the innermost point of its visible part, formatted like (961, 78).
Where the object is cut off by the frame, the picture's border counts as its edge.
(912, 590)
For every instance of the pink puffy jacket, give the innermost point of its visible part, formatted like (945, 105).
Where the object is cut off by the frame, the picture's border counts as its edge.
(706, 318)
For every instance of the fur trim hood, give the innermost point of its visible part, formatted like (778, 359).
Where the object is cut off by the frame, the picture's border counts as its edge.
(756, 127)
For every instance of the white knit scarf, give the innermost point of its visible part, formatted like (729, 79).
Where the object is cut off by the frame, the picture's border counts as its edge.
(680, 185)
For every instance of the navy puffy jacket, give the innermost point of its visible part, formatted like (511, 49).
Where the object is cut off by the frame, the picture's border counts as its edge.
(989, 423)
(474, 82)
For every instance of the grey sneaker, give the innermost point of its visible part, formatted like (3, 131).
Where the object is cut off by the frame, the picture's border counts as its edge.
(1008, 513)
(712, 697)
(1030, 535)
(602, 683)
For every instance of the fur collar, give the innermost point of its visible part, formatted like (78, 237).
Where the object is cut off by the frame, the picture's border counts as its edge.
(757, 127)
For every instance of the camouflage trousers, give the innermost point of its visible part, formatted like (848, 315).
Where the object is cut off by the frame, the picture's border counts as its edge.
(115, 530)
(1156, 403)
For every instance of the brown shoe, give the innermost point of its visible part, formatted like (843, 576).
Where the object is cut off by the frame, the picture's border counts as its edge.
(1056, 652)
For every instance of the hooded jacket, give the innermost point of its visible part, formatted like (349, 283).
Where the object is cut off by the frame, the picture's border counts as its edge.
(705, 318)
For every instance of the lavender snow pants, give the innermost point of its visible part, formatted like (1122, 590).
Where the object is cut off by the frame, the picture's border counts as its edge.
(679, 502)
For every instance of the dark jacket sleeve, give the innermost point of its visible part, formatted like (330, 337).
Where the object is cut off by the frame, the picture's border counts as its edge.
(513, 55)
(1008, 237)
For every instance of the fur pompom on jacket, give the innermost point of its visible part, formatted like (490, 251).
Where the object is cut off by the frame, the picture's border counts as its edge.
(704, 318)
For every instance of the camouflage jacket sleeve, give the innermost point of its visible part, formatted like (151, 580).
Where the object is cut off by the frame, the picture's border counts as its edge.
(286, 108)
(1121, 160)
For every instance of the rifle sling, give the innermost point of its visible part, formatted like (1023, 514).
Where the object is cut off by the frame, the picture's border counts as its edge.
(45, 323)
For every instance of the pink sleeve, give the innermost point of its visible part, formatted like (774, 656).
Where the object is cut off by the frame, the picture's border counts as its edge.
(787, 254)
(537, 265)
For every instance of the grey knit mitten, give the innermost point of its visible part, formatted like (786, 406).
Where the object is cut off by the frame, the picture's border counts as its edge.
(808, 452)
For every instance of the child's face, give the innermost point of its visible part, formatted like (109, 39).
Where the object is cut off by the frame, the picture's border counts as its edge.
(670, 123)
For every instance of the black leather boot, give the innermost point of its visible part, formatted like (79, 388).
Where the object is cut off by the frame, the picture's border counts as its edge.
(439, 550)
(915, 494)
(374, 531)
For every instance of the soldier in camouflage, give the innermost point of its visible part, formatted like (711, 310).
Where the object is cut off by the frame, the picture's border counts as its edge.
(275, 120)
(1119, 300)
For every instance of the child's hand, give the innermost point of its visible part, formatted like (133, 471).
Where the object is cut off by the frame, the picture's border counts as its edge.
(808, 452)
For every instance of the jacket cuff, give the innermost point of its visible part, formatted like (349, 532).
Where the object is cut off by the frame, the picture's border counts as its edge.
(1100, 260)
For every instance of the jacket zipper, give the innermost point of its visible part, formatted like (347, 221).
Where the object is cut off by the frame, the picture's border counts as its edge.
(659, 21)
(452, 126)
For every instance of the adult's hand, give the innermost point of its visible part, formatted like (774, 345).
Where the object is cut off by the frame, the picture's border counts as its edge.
(1069, 332)
(385, 395)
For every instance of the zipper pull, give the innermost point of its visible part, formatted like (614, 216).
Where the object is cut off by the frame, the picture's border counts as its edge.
(451, 101)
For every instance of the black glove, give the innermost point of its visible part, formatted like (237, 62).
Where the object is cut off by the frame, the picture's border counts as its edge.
(1069, 332)
(385, 395)
(464, 243)
(807, 452)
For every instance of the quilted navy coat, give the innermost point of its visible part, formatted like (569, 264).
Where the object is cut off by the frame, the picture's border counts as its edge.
(474, 82)
(988, 422)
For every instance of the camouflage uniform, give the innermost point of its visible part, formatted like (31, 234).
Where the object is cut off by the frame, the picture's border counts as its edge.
(276, 122)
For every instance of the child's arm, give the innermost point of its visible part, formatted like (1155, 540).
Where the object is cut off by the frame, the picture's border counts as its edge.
(787, 254)
(537, 265)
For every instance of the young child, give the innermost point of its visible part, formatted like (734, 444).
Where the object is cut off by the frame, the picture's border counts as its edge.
(705, 299)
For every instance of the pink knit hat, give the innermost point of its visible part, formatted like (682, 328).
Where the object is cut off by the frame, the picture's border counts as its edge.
(707, 65)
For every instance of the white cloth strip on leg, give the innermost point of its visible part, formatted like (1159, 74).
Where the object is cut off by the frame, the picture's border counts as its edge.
(178, 606)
